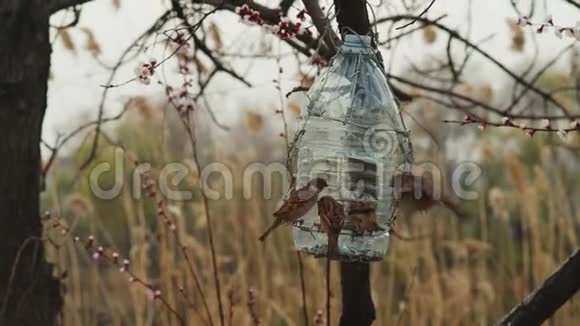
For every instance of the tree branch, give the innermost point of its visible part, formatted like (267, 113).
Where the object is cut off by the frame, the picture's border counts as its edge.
(454, 34)
(285, 5)
(352, 16)
(357, 303)
(574, 3)
(545, 300)
(56, 5)
(322, 24)
(421, 14)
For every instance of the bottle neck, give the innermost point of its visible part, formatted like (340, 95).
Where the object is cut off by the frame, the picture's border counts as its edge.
(357, 44)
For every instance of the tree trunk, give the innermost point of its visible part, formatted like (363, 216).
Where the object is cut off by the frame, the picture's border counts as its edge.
(543, 302)
(352, 17)
(29, 295)
(357, 303)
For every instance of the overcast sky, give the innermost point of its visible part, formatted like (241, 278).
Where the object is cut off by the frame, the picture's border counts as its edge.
(74, 90)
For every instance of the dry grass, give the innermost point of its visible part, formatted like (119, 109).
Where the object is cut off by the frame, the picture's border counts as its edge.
(464, 273)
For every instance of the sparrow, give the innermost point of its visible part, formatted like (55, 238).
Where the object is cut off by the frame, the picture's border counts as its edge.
(417, 194)
(363, 217)
(299, 202)
(331, 215)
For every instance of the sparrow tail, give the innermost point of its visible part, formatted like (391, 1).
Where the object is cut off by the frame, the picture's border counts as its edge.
(332, 245)
(274, 225)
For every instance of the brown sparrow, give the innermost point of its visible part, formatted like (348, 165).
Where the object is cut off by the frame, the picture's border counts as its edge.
(331, 220)
(363, 217)
(413, 199)
(299, 202)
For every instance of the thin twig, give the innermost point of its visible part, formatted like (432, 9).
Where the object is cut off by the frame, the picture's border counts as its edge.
(195, 154)
(197, 283)
(302, 288)
(158, 23)
(328, 315)
(416, 18)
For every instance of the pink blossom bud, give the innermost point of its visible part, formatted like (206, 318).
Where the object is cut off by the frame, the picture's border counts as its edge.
(125, 266)
(546, 124)
(90, 242)
(523, 21)
(568, 32)
(563, 134)
(507, 121)
(402, 305)
(319, 317)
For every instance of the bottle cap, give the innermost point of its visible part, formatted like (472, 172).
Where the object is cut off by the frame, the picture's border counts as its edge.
(357, 41)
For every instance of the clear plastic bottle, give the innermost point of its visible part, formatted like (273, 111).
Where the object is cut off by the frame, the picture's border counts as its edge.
(353, 136)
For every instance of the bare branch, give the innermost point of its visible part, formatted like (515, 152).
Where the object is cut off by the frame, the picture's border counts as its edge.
(474, 101)
(544, 95)
(56, 5)
(61, 142)
(543, 302)
(574, 3)
(538, 75)
(285, 5)
(421, 14)
(322, 24)
(159, 22)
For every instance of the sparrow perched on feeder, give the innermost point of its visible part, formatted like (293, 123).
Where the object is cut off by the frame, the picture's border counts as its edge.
(363, 217)
(416, 193)
(299, 202)
(331, 215)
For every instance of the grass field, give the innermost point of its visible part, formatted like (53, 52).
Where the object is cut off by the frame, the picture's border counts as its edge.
(466, 271)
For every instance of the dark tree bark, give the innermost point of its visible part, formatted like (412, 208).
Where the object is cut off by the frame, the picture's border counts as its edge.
(352, 17)
(357, 304)
(29, 295)
(547, 299)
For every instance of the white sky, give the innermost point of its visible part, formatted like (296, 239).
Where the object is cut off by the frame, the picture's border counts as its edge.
(74, 90)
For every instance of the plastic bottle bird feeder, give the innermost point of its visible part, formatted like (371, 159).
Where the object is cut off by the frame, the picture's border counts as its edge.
(352, 136)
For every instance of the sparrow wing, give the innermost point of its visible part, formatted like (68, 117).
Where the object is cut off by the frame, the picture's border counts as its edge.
(306, 193)
(296, 206)
(355, 207)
